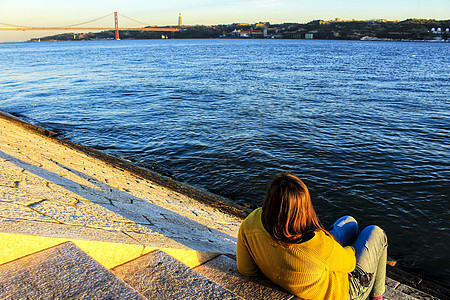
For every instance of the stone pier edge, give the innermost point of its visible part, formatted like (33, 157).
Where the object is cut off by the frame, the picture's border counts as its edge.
(205, 197)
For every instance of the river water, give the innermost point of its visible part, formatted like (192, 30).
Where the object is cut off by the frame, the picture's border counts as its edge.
(366, 125)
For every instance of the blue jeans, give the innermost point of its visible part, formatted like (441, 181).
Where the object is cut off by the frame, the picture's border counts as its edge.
(369, 276)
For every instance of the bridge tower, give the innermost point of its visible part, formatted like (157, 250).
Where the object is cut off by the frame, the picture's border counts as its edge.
(116, 22)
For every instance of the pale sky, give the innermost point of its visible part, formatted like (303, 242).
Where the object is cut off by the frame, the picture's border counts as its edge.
(206, 12)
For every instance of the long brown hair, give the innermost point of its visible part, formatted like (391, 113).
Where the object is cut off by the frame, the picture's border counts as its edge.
(288, 212)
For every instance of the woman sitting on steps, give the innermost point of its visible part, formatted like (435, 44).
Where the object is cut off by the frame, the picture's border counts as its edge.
(286, 242)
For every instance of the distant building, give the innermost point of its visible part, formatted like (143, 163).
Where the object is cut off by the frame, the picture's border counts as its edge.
(318, 22)
(257, 34)
(309, 36)
(180, 20)
(378, 20)
(245, 33)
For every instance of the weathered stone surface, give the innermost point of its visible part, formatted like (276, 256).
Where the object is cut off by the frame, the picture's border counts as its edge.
(20, 226)
(157, 275)
(223, 271)
(413, 282)
(402, 276)
(392, 283)
(61, 272)
(414, 292)
(392, 294)
(42, 180)
(14, 211)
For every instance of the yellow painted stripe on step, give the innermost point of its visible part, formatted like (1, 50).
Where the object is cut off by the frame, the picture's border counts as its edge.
(15, 246)
(110, 255)
(191, 258)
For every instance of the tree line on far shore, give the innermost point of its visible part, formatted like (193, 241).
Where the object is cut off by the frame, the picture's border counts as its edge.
(411, 29)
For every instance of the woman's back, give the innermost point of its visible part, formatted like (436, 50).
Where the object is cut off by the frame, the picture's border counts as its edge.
(316, 268)
(285, 240)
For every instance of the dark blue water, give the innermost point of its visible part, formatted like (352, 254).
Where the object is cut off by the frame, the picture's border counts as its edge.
(366, 125)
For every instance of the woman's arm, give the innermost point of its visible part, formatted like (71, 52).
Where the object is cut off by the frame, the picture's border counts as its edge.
(342, 259)
(245, 263)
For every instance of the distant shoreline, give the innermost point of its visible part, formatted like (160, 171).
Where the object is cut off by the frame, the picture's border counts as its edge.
(411, 30)
(362, 40)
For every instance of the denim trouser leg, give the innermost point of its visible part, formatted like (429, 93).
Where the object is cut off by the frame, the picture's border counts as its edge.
(345, 230)
(369, 276)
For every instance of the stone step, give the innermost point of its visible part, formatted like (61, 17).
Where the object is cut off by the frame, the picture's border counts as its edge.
(416, 286)
(169, 278)
(223, 271)
(109, 254)
(61, 272)
(393, 294)
(158, 275)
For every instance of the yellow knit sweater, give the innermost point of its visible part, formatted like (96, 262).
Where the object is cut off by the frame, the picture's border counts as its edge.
(315, 269)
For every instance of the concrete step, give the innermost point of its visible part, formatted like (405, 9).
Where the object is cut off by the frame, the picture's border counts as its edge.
(158, 275)
(220, 269)
(15, 246)
(175, 273)
(416, 286)
(223, 271)
(61, 272)
(393, 294)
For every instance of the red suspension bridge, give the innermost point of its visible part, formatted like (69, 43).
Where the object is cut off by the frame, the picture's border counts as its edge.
(76, 26)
